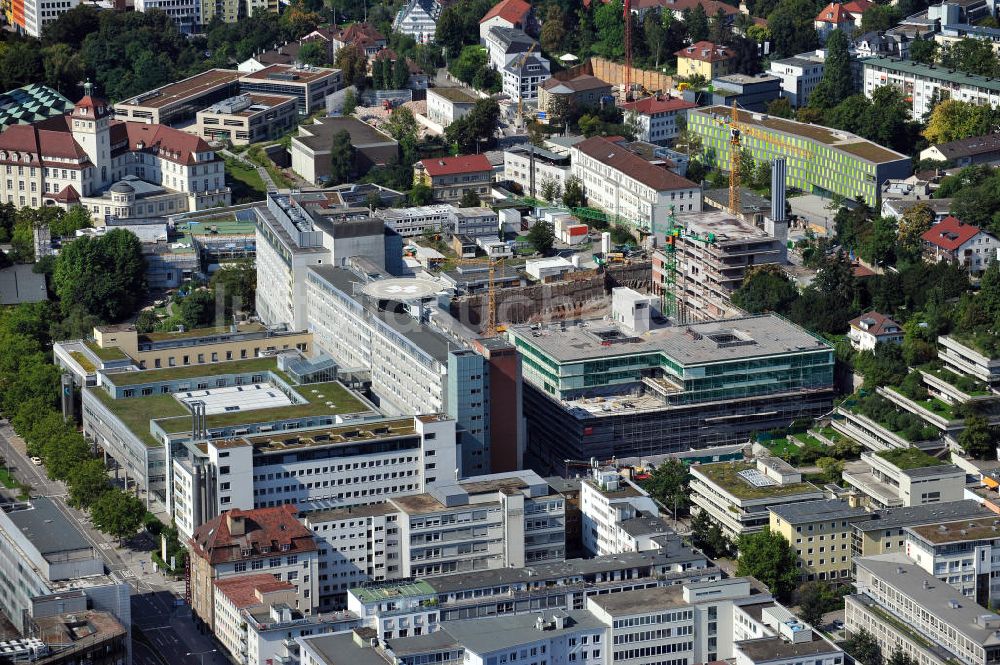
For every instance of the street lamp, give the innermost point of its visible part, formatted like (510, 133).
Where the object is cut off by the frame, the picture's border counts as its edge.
(201, 654)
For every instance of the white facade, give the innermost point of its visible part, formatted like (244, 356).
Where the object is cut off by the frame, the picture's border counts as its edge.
(965, 554)
(415, 221)
(518, 164)
(422, 455)
(479, 523)
(799, 76)
(927, 86)
(446, 105)
(607, 501)
(418, 19)
(885, 485)
(627, 194)
(39, 13)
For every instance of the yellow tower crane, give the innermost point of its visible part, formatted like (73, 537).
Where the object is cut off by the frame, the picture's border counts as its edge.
(737, 130)
(491, 328)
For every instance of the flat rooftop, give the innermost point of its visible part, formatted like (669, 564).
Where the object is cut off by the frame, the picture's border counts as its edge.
(726, 476)
(817, 511)
(774, 648)
(283, 74)
(927, 592)
(641, 600)
(290, 440)
(936, 72)
(455, 95)
(379, 593)
(533, 574)
(687, 345)
(507, 632)
(723, 226)
(45, 526)
(834, 138)
(341, 649)
(237, 398)
(984, 528)
(184, 90)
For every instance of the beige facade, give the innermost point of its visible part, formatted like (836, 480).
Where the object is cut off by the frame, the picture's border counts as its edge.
(247, 119)
(199, 346)
(821, 532)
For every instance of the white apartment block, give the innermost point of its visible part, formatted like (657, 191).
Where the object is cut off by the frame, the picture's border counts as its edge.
(889, 479)
(415, 221)
(627, 187)
(618, 515)
(926, 85)
(905, 607)
(31, 16)
(386, 458)
(418, 19)
(521, 160)
(737, 495)
(965, 554)
(298, 231)
(446, 105)
(483, 523)
(966, 359)
(799, 76)
(657, 118)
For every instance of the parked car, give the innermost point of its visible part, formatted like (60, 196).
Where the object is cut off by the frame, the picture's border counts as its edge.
(37, 461)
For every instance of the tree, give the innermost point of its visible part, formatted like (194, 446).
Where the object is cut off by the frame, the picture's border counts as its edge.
(401, 125)
(952, 120)
(611, 29)
(813, 598)
(791, 26)
(898, 657)
(551, 190)
(746, 59)
(420, 195)
(350, 102)
(88, 481)
(978, 439)
(553, 29)
(913, 224)
(146, 322)
(879, 18)
(542, 237)
(923, 51)
(354, 65)
(477, 129)
(759, 33)
(20, 64)
(63, 68)
(341, 158)
(765, 288)
(771, 559)
(719, 31)
(864, 648)
(696, 22)
(832, 469)
(314, 52)
(573, 196)
(118, 514)
(236, 285)
(837, 83)
(971, 56)
(469, 199)
(400, 73)
(106, 276)
(707, 535)
(668, 483)
(197, 309)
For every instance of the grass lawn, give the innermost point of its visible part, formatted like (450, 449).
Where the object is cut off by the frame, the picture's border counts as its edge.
(110, 353)
(245, 182)
(811, 442)
(909, 458)
(8, 480)
(781, 447)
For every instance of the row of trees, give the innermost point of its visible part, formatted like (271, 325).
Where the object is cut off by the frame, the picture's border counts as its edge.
(29, 390)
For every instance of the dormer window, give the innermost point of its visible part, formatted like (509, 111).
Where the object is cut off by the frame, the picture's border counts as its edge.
(246, 551)
(83, 111)
(27, 158)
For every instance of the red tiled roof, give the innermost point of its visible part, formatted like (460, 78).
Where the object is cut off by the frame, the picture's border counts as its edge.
(437, 166)
(67, 195)
(242, 590)
(876, 324)
(577, 83)
(632, 165)
(359, 34)
(41, 140)
(857, 7)
(950, 234)
(512, 11)
(168, 142)
(266, 532)
(834, 13)
(706, 52)
(95, 106)
(651, 105)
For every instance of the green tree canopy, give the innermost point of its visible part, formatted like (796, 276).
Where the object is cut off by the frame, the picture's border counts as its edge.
(542, 237)
(106, 275)
(766, 288)
(978, 439)
(118, 514)
(864, 648)
(837, 83)
(475, 131)
(791, 26)
(668, 483)
(341, 158)
(771, 559)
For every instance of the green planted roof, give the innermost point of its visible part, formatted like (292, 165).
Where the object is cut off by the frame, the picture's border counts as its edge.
(909, 458)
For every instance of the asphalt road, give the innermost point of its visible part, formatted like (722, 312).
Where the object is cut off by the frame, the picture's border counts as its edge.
(163, 630)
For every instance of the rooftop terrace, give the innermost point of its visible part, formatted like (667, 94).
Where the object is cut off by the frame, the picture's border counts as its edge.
(909, 458)
(726, 475)
(375, 593)
(985, 528)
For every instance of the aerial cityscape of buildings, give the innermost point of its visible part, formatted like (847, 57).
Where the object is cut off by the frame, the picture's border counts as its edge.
(450, 333)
